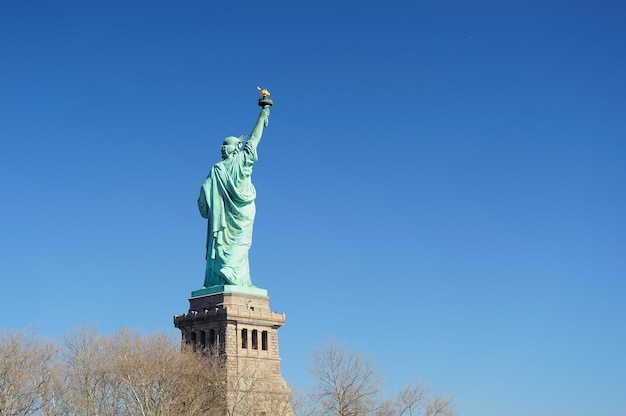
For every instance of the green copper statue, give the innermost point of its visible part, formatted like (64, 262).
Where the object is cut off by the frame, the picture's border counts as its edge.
(227, 201)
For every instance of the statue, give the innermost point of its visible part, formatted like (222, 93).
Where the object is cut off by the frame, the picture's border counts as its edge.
(227, 201)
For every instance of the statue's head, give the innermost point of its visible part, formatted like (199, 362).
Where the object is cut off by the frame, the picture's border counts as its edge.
(231, 145)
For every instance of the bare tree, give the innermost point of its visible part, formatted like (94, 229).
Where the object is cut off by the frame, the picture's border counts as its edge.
(25, 370)
(411, 400)
(150, 375)
(161, 380)
(147, 368)
(241, 386)
(52, 394)
(415, 400)
(303, 403)
(441, 406)
(253, 391)
(91, 388)
(348, 382)
(277, 401)
(201, 383)
(348, 385)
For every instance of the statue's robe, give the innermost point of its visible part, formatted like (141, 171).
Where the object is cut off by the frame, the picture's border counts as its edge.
(227, 201)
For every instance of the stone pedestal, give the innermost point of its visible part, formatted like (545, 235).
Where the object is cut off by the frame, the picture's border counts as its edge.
(241, 327)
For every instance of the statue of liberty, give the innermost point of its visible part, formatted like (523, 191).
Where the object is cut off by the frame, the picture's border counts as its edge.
(227, 202)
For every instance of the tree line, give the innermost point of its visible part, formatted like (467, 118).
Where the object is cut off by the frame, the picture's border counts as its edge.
(129, 373)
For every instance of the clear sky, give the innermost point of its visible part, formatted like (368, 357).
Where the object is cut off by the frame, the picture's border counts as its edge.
(442, 184)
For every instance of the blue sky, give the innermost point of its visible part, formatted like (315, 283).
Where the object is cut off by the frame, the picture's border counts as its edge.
(442, 184)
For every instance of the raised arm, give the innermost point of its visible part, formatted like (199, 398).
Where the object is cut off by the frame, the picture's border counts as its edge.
(262, 121)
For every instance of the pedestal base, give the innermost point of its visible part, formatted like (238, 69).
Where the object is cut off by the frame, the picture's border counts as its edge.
(237, 323)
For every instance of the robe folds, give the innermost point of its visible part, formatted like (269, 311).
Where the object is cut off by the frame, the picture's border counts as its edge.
(227, 201)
